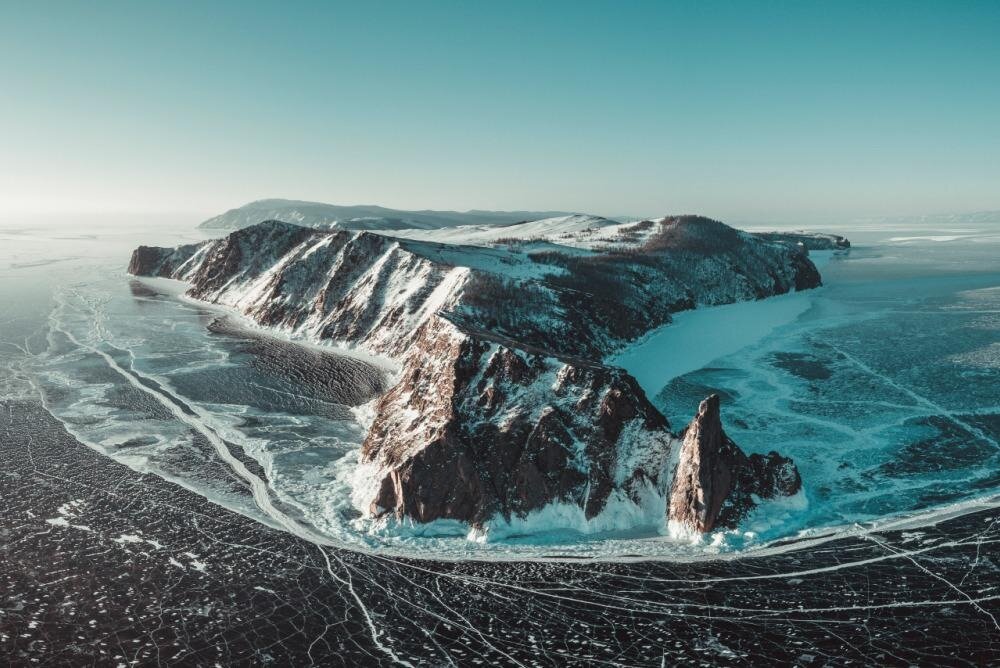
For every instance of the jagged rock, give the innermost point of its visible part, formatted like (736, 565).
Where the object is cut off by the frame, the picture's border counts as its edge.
(554, 431)
(715, 481)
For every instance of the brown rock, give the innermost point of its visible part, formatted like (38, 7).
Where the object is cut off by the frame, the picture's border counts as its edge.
(476, 429)
(715, 480)
(154, 261)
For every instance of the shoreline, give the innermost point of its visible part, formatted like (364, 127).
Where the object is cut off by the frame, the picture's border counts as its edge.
(178, 290)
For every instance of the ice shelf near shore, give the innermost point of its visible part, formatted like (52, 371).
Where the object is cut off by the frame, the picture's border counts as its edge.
(697, 337)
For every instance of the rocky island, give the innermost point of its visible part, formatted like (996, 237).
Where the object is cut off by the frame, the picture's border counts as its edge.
(503, 407)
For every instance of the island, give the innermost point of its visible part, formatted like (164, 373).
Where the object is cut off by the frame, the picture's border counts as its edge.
(504, 412)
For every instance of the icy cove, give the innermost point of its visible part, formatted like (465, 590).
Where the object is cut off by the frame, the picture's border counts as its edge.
(503, 418)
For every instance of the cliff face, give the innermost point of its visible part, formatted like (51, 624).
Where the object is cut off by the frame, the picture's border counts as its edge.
(476, 429)
(352, 287)
(503, 406)
(160, 262)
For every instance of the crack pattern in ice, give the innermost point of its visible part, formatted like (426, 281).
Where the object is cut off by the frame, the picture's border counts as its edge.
(914, 593)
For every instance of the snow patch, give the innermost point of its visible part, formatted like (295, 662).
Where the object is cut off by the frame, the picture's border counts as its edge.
(487, 235)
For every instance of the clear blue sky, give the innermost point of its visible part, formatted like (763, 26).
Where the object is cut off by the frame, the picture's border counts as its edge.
(740, 110)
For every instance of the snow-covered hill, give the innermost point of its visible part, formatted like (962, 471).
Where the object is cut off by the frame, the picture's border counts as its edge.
(360, 217)
(504, 407)
(559, 229)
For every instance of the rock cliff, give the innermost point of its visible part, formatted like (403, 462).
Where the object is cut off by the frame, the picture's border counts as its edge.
(476, 429)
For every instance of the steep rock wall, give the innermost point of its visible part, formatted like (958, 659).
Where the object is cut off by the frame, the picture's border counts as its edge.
(509, 431)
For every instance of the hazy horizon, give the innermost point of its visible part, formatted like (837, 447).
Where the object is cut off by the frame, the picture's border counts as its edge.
(780, 113)
(183, 219)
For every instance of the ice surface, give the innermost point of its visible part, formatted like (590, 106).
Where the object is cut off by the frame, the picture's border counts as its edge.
(881, 385)
(697, 337)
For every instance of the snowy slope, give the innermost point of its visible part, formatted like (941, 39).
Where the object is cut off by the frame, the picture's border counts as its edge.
(573, 234)
(361, 288)
(552, 229)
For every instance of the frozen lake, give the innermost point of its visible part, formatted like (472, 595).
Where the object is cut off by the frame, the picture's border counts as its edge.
(882, 385)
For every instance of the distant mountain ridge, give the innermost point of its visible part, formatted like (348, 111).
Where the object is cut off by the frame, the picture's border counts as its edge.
(363, 216)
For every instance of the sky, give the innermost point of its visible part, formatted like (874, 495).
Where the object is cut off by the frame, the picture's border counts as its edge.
(744, 111)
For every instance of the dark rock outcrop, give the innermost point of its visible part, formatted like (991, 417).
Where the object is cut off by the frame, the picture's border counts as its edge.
(160, 262)
(475, 430)
(715, 481)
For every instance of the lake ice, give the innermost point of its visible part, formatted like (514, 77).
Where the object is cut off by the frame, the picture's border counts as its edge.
(882, 385)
